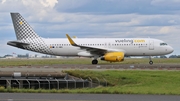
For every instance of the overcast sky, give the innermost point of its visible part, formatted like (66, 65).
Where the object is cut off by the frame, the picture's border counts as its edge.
(93, 18)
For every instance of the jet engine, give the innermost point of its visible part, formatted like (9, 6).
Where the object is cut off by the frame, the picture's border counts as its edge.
(113, 57)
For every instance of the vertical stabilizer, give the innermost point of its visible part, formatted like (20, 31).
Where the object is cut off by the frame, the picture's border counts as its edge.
(22, 29)
(26, 36)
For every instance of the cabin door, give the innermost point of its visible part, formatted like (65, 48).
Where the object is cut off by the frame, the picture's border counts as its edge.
(151, 45)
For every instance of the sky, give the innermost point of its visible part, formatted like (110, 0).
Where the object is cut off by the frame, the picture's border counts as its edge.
(93, 18)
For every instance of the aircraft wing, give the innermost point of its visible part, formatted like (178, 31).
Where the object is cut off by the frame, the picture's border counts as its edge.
(93, 50)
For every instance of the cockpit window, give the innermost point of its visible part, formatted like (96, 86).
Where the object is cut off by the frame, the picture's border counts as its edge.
(163, 44)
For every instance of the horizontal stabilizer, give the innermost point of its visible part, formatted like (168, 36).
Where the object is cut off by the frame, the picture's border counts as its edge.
(17, 43)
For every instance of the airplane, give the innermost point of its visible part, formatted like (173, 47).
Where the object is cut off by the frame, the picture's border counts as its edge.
(107, 49)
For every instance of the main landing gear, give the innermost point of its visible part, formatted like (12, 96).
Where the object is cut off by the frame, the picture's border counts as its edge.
(95, 61)
(150, 60)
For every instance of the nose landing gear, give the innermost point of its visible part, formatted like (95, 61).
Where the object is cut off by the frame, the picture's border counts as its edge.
(150, 60)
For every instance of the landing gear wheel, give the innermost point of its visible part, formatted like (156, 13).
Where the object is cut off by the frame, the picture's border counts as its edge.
(150, 62)
(94, 61)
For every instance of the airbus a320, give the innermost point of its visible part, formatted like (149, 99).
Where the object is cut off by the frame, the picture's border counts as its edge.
(107, 49)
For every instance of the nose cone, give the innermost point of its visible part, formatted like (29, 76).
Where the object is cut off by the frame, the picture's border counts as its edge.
(170, 49)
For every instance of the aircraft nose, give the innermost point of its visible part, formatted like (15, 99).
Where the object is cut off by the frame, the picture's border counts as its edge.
(170, 49)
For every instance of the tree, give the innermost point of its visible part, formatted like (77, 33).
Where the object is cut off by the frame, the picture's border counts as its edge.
(173, 56)
(163, 56)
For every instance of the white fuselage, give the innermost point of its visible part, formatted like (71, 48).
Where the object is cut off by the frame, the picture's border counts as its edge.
(130, 46)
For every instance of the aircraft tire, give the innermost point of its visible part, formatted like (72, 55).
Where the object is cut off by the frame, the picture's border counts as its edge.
(94, 61)
(150, 62)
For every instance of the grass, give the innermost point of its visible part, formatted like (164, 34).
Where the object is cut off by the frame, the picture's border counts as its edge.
(30, 62)
(135, 82)
(121, 82)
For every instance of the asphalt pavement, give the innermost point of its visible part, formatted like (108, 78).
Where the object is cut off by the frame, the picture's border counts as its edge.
(84, 97)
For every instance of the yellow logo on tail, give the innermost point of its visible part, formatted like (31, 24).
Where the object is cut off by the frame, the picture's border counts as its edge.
(20, 22)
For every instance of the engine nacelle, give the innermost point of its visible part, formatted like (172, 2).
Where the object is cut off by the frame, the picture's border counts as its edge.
(113, 57)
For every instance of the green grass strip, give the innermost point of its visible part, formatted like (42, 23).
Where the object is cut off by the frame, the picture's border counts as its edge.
(121, 82)
(30, 62)
(135, 82)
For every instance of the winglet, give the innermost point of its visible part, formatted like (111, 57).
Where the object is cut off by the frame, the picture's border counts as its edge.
(70, 40)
